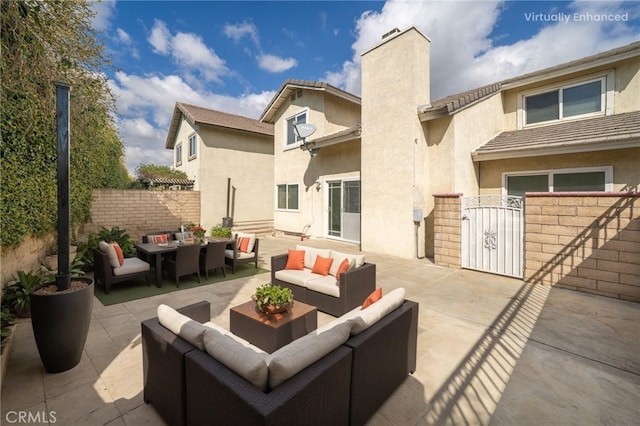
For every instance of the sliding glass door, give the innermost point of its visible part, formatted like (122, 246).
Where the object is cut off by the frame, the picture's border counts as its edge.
(343, 209)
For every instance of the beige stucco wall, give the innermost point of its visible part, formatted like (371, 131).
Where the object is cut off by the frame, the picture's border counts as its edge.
(395, 81)
(244, 157)
(450, 141)
(293, 166)
(247, 159)
(626, 172)
(190, 167)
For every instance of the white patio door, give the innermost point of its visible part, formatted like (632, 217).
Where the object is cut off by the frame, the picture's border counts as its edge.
(343, 209)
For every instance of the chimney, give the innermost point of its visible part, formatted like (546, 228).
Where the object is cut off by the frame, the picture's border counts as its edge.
(390, 33)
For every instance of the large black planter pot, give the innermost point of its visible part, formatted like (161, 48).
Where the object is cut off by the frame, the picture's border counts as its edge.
(60, 325)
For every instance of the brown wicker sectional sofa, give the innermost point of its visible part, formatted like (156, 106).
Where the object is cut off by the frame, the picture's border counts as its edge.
(348, 292)
(346, 386)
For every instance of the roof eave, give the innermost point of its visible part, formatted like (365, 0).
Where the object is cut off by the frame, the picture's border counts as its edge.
(325, 141)
(173, 127)
(285, 91)
(526, 80)
(570, 148)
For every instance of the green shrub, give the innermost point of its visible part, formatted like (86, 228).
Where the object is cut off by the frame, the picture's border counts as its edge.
(7, 318)
(115, 234)
(17, 294)
(219, 231)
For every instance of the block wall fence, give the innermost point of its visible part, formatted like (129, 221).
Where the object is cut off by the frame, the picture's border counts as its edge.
(142, 211)
(587, 242)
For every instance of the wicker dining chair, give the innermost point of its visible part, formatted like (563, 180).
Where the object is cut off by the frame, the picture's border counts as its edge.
(185, 262)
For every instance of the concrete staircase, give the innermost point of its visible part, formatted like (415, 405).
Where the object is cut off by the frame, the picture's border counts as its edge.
(259, 227)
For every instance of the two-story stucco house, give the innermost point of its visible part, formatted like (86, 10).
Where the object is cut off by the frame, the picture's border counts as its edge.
(230, 158)
(317, 190)
(369, 172)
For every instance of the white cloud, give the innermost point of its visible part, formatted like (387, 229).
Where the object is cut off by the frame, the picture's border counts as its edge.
(160, 38)
(462, 53)
(237, 32)
(188, 51)
(104, 11)
(275, 64)
(123, 36)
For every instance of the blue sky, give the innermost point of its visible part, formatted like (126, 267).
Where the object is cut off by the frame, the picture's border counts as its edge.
(233, 56)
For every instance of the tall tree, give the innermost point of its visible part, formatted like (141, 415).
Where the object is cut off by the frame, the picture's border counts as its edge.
(44, 41)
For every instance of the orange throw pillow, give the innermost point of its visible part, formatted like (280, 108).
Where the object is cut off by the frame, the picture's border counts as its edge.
(295, 260)
(344, 267)
(118, 250)
(372, 298)
(322, 265)
(243, 244)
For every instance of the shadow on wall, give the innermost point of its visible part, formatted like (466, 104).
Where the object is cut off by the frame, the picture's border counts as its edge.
(603, 257)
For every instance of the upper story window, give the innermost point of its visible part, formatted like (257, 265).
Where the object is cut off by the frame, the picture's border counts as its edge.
(179, 154)
(192, 146)
(581, 99)
(292, 136)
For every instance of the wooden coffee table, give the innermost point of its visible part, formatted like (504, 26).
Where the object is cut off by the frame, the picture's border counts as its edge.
(270, 332)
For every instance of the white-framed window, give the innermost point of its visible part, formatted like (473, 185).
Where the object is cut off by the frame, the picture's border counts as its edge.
(585, 179)
(292, 138)
(578, 98)
(193, 146)
(179, 154)
(288, 196)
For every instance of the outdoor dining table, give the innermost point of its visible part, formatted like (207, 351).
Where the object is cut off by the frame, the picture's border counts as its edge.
(155, 251)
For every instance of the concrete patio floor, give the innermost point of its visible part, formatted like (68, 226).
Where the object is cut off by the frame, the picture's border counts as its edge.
(491, 350)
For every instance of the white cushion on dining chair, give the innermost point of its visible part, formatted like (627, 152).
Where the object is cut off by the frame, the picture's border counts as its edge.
(240, 254)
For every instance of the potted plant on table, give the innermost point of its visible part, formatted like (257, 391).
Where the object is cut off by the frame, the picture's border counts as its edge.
(197, 231)
(272, 299)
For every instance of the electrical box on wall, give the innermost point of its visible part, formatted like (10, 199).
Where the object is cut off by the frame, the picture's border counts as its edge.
(417, 215)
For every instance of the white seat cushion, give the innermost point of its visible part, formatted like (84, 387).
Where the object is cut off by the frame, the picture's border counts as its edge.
(355, 261)
(240, 254)
(325, 285)
(252, 240)
(294, 276)
(375, 312)
(181, 325)
(289, 360)
(131, 265)
(111, 253)
(310, 254)
(244, 361)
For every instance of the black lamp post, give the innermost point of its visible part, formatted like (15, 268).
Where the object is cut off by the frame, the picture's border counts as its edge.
(62, 125)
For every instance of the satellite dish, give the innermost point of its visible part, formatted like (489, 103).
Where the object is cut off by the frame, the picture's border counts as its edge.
(304, 130)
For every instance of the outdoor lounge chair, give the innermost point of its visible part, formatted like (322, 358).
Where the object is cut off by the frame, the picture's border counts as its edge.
(133, 268)
(235, 256)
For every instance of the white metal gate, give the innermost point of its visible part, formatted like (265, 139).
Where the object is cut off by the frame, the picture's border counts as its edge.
(493, 234)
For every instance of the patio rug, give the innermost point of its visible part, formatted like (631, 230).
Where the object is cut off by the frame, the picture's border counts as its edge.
(138, 289)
